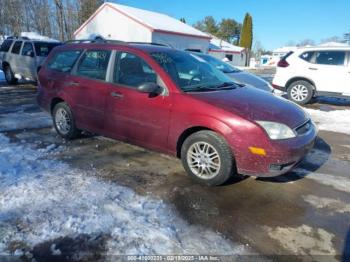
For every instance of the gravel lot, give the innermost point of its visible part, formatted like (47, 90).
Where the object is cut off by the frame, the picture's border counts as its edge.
(92, 198)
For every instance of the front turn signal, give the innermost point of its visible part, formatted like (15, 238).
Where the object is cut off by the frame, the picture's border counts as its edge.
(257, 151)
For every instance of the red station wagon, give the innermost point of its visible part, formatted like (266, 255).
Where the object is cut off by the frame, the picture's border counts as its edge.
(174, 102)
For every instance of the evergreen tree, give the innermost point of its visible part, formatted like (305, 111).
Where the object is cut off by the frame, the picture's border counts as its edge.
(208, 25)
(228, 29)
(246, 39)
(183, 20)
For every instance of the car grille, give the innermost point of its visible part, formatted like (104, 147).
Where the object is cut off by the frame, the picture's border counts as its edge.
(304, 128)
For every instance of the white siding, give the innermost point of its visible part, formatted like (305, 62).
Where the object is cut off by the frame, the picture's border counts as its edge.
(181, 42)
(111, 25)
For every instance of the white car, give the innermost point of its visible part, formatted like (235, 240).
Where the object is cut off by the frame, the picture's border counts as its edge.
(309, 72)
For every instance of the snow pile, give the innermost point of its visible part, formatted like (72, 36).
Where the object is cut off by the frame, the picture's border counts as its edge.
(24, 120)
(36, 36)
(157, 21)
(336, 121)
(42, 200)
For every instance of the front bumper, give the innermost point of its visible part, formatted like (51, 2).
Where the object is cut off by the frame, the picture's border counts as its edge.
(281, 156)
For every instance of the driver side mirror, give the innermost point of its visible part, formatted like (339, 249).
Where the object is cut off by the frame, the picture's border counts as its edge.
(150, 88)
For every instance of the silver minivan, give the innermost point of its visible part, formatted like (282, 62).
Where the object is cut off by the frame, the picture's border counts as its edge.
(21, 58)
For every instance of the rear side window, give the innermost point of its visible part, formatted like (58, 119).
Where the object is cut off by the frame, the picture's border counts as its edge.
(64, 61)
(93, 64)
(330, 57)
(43, 49)
(16, 47)
(27, 49)
(6, 45)
(307, 56)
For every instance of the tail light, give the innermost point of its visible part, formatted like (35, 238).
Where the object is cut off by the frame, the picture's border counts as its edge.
(282, 63)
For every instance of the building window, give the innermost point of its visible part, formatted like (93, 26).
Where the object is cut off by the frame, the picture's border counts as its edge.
(229, 57)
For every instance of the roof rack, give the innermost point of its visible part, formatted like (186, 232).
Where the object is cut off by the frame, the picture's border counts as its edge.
(107, 41)
(147, 43)
(13, 37)
(99, 40)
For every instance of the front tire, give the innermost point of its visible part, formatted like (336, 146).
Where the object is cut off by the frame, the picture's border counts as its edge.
(63, 121)
(207, 158)
(9, 76)
(300, 92)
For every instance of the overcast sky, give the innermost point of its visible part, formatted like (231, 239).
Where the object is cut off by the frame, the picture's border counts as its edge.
(276, 22)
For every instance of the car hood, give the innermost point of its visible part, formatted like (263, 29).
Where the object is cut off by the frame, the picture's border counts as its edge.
(254, 104)
(249, 79)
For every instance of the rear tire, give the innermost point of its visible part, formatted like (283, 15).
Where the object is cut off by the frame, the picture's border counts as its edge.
(9, 76)
(64, 122)
(300, 92)
(207, 158)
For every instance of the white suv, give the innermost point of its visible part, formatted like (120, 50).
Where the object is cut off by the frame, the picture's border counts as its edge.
(308, 72)
(22, 57)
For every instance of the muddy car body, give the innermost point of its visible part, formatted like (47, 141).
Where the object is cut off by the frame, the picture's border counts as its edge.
(170, 101)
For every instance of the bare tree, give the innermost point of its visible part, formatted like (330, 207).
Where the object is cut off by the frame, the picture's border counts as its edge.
(306, 42)
(72, 17)
(13, 15)
(54, 18)
(87, 8)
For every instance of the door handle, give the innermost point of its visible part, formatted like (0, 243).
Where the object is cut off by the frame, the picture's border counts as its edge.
(73, 84)
(313, 68)
(117, 95)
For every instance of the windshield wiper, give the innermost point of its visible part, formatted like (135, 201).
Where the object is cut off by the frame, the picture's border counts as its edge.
(198, 89)
(222, 86)
(226, 85)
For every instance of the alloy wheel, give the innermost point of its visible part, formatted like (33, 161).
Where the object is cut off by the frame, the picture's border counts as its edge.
(63, 122)
(299, 92)
(203, 160)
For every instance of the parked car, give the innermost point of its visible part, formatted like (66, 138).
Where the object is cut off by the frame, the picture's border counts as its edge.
(171, 101)
(22, 58)
(236, 74)
(310, 72)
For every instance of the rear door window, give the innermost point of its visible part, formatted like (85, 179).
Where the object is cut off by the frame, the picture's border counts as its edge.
(44, 48)
(64, 61)
(27, 49)
(6, 45)
(16, 47)
(94, 64)
(330, 57)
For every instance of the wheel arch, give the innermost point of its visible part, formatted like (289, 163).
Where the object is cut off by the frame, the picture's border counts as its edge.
(54, 102)
(203, 123)
(4, 64)
(185, 134)
(300, 78)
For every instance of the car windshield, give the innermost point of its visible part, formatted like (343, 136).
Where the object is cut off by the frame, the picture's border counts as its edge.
(44, 48)
(192, 73)
(222, 66)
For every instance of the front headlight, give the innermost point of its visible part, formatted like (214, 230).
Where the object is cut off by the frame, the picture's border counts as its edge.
(276, 130)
